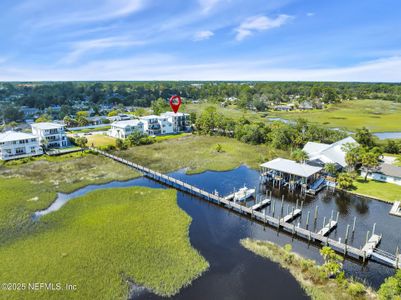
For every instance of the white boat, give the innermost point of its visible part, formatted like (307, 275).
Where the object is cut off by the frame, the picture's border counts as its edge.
(243, 194)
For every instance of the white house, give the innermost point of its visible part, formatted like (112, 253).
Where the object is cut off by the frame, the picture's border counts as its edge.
(122, 129)
(386, 173)
(18, 144)
(180, 121)
(151, 125)
(51, 135)
(320, 154)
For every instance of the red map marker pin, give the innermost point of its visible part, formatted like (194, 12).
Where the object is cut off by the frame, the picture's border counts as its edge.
(175, 102)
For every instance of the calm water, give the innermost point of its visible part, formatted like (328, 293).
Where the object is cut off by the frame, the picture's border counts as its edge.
(236, 273)
(388, 135)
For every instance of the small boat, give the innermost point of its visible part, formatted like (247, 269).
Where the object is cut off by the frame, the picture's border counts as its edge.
(243, 194)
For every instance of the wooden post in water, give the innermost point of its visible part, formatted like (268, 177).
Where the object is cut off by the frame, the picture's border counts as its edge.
(367, 236)
(324, 222)
(346, 234)
(288, 209)
(353, 226)
(374, 229)
(282, 207)
(302, 205)
(338, 213)
(307, 219)
(397, 257)
(296, 205)
(292, 213)
(332, 214)
(273, 207)
(316, 212)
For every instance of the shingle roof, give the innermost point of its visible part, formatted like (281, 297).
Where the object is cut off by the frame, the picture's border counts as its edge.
(291, 167)
(9, 136)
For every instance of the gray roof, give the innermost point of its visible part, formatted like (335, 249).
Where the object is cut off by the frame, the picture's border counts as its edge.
(123, 124)
(291, 167)
(388, 170)
(328, 153)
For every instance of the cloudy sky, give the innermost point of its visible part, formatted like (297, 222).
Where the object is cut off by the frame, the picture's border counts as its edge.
(341, 40)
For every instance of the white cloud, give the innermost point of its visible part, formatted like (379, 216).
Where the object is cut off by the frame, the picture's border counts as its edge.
(82, 47)
(310, 14)
(102, 10)
(259, 23)
(207, 5)
(203, 35)
(166, 67)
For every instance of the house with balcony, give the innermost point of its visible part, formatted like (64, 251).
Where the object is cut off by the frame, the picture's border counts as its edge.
(151, 125)
(122, 129)
(51, 135)
(180, 121)
(15, 145)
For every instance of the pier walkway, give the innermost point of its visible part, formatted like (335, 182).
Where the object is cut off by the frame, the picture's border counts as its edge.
(282, 223)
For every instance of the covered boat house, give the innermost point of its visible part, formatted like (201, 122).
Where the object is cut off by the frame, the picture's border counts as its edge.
(285, 172)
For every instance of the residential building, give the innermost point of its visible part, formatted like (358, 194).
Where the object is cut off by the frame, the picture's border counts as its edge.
(122, 129)
(320, 154)
(386, 173)
(51, 135)
(181, 121)
(15, 145)
(151, 125)
(121, 117)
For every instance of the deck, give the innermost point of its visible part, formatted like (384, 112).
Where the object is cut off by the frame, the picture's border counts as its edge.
(261, 204)
(327, 228)
(369, 250)
(396, 209)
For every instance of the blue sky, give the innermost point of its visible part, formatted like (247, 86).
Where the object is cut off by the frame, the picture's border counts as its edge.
(200, 40)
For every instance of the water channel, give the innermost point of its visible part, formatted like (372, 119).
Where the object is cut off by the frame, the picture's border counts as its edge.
(236, 273)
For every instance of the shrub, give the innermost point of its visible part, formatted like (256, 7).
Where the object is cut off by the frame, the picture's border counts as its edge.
(356, 289)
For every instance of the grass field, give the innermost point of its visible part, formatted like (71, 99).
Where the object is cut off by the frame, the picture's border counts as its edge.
(198, 154)
(99, 140)
(229, 111)
(309, 274)
(377, 115)
(30, 185)
(385, 191)
(99, 241)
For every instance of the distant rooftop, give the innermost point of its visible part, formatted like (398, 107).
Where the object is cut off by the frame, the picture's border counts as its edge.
(10, 136)
(47, 125)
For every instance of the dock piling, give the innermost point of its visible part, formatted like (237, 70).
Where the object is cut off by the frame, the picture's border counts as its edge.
(374, 229)
(353, 226)
(316, 212)
(367, 237)
(307, 219)
(338, 213)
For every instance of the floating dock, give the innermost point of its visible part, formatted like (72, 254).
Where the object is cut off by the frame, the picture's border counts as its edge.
(368, 251)
(396, 209)
(327, 228)
(261, 204)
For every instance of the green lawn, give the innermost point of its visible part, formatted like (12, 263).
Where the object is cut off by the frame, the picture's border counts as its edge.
(198, 153)
(385, 191)
(377, 115)
(99, 140)
(28, 185)
(99, 241)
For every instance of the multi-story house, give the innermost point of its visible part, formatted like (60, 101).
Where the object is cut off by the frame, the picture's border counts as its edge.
(51, 135)
(122, 129)
(180, 121)
(15, 145)
(151, 125)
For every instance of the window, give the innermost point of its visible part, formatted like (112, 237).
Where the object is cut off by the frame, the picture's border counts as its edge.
(19, 150)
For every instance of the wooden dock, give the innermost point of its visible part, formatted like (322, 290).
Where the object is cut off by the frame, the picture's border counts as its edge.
(369, 250)
(327, 228)
(396, 209)
(261, 204)
(291, 216)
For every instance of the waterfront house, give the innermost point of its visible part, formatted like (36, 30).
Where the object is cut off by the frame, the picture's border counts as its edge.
(151, 125)
(180, 121)
(51, 135)
(320, 154)
(386, 173)
(122, 129)
(15, 145)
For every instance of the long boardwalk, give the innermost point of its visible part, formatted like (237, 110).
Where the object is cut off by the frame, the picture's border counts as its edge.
(283, 222)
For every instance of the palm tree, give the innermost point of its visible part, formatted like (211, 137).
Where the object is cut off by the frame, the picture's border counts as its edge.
(330, 168)
(299, 155)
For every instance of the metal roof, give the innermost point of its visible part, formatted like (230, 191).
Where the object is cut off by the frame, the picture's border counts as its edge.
(9, 136)
(123, 124)
(291, 167)
(47, 125)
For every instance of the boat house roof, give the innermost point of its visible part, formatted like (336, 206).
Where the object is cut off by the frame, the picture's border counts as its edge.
(291, 167)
